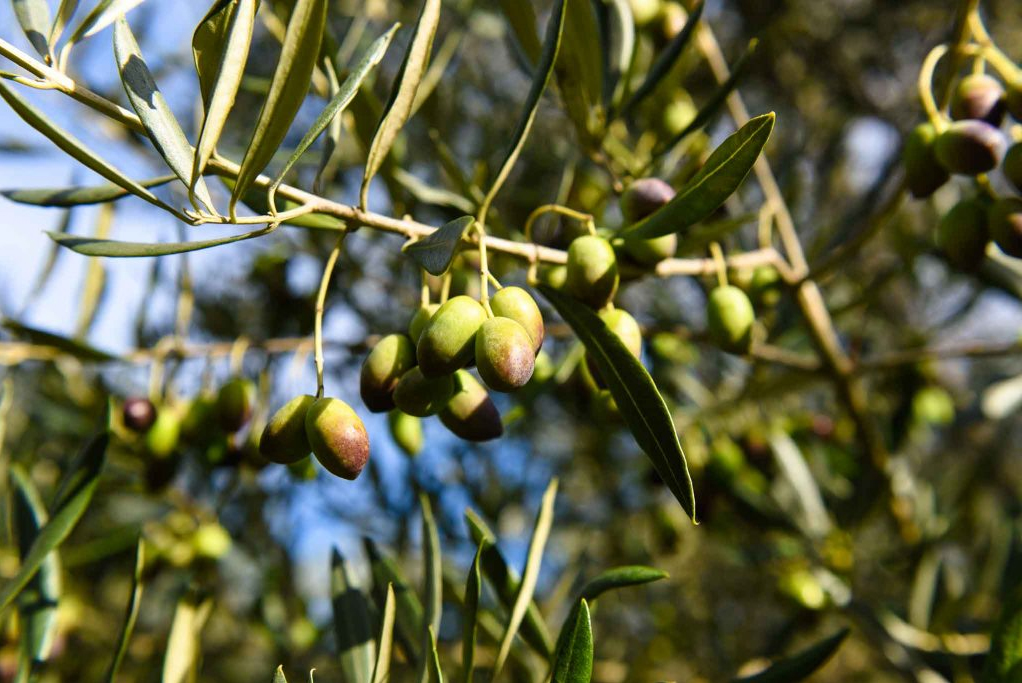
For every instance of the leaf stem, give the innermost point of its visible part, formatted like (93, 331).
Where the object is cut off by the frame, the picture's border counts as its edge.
(324, 284)
(484, 271)
(718, 259)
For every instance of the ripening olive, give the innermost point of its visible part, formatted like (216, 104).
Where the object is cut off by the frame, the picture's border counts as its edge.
(422, 396)
(284, 440)
(978, 96)
(234, 404)
(643, 197)
(729, 318)
(393, 356)
(419, 320)
(1004, 218)
(624, 326)
(446, 343)
(471, 414)
(138, 413)
(504, 354)
(337, 437)
(923, 172)
(199, 425)
(962, 234)
(406, 430)
(1012, 165)
(517, 304)
(592, 275)
(765, 287)
(969, 147)
(162, 437)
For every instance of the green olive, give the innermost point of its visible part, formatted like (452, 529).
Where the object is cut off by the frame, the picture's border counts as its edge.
(504, 354)
(626, 329)
(765, 287)
(284, 440)
(923, 173)
(337, 437)
(422, 396)
(471, 414)
(517, 304)
(962, 234)
(729, 318)
(592, 274)
(447, 341)
(393, 356)
(406, 430)
(419, 320)
(162, 438)
(199, 426)
(234, 404)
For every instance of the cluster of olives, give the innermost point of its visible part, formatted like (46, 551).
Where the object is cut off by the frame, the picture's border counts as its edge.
(424, 372)
(971, 143)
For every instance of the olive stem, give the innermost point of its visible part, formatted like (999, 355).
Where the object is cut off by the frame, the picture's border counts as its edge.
(553, 208)
(925, 85)
(324, 284)
(990, 52)
(237, 357)
(484, 271)
(718, 259)
(445, 288)
(424, 291)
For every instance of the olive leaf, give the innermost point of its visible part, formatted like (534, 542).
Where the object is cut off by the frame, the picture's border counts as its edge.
(402, 96)
(34, 17)
(636, 395)
(1004, 660)
(352, 623)
(579, 70)
(551, 48)
(432, 577)
(65, 11)
(665, 61)
(220, 48)
(278, 675)
(409, 620)
(91, 246)
(131, 612)
(720, 176)
(184, 645)
(102, 15)
(79, 195)
(71, 347)
(385, 643)
(435, 673)
(617, 29)
(522, 18)
(94, 284)
(800, 665)
(573, 661)
(436, 251)
(470, 615)
(72, 499)
(621, 577)
(288, 88)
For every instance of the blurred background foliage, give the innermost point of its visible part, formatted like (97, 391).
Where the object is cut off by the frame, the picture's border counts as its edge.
(764, 573)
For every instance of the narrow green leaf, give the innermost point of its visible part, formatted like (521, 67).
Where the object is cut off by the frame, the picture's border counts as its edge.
(522, 19)
(37, 604)
(90, 246)
(505, 583)
(74, 148)
(720, 176)
(409, 622)
(665, 61)
(73, 497)
(220, 47)
(540, 533)
(63, 344)
(1004, 660)
(402, 96)
(148, 102)
(436, 251)
(102, 15)
(34, 17)
(278, 675)
(65, 11)
(131, 613)
(470, 615)
(352, 624)
(381, 671)
(580, 69)
(573, 662)
(432, 577)
(551, 48)
(716, 101)
(436, 674)
(67, 197)
(799, 666)
(345, 94)
(288, 88)
(617, 28)
(636, 395)
(184, 645)
(621, 577)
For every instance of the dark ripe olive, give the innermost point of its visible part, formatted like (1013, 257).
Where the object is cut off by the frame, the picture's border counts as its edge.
(447, 341)
(393, 356)
(234, 404)
(471, 414)
(517, 304)
(979, 96)
(592, 273)
(422, 396)
(644, 197)
(624, 326)
(1012, 165)
(337, 437)
(139, 413)
(923, 173)
(970, 147)
(284, 440)
(962, 234)
(1004, 219)
(729, 318)
(504, 354)
(406, 430)
(419, 320)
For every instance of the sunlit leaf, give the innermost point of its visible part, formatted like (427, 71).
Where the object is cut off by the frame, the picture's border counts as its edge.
(573, 661)
(402, 95)
(65, 11)
(102, 15)
(722, 174)
(436, 251)
(617, 26)
(93, 286)
(436, 674)
(90, 246)
(385, 643)
(409, 621)
(278, 675)
(621, 577)
(131, 613)
(636, 395)
(79, 195)
(353, 626)
(799, 666)
(34, 17)
(579, 69)
(184, 645)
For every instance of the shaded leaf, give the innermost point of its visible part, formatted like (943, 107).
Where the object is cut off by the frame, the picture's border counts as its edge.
(436, 674)
(573, 661)
(432, 577)
(34, 17)
(522, 19)
(381, 671)
(353, 626)
(184, 645)
(720, 176)
(617, 27)
(621, 577)
(102, 15)
(1004, 660)
(288, 88)
(131, 613)
(90, 246)
(71, 347)
(436, 251)
(402, 95)
(636, 395)
(580, 70)
(72, 499)
(78, 195)
(800, 665)
(470, 615)
(409, 620)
